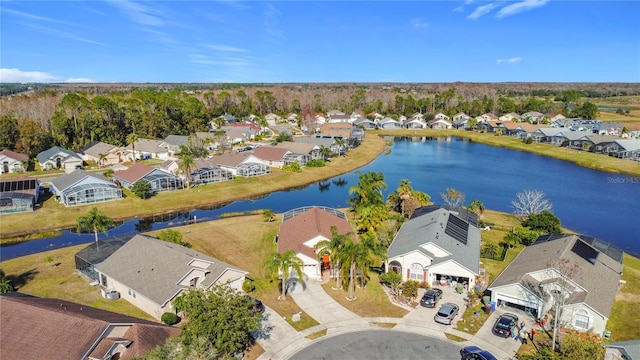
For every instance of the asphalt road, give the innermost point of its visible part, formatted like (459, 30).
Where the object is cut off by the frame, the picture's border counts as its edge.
(379, 345)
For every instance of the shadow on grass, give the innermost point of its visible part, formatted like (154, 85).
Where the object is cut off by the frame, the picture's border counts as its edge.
(18, 281)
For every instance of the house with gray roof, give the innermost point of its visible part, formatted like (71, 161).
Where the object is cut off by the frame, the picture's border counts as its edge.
(437, 244)
(173, 142)
(623, 350)
(59, 158)
(159, 178)
(149, 148)
(82, 187)
(389, 123)
(150, 273)
(529, 281)
(547, 135)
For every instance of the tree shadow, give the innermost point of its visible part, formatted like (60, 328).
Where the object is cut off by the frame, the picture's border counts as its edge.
(18, 281)
(265, 331)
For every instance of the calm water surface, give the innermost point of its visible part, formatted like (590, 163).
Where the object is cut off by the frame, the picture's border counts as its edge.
(595, 203)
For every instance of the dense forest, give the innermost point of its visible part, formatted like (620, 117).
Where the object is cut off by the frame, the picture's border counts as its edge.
(36, 117)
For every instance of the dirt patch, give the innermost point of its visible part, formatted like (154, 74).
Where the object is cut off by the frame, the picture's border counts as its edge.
(623, 296)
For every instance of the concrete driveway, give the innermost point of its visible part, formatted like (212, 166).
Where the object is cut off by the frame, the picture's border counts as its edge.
(426, 315)
(495, 343)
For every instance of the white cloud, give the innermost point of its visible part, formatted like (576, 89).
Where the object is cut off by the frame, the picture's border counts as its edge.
(19, 76)
(32, 17)
(138, 13)
(519, 7)
(512, 60)
(459, 9)
(481, 10)
(225, 48)
(417, 23)
(271, 25)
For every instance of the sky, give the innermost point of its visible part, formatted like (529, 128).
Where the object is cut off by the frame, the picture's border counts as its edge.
(319, 41)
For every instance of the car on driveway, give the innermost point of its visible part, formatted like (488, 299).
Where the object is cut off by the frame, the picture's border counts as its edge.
(475, 353)
(446, 314)
(256, 305)
(431, 297)
(504, 325)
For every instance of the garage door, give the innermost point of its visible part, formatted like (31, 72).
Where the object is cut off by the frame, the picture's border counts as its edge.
(524, 305)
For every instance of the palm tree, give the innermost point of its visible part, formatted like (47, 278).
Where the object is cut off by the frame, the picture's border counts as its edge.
(341, 143)
(369, 189)
(187, 162)
(283, 264)
(5, 284)
(355, 255)
(101, 159)
(477, 207)
(325, 152)
(268, 215)
(404, 192)
(333, 246)
(96, 222)
(131, 140)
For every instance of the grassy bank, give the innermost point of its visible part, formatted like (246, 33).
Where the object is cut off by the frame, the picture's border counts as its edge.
(585, 159)
(55, 216)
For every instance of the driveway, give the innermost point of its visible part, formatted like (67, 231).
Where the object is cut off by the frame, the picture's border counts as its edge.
(495, 343)
(425, 315)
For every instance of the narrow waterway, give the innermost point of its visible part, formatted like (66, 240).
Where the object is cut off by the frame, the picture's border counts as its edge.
(595, 203)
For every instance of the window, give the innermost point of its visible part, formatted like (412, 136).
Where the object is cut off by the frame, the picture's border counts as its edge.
(581, 319)
(132, 293)
(417, 272)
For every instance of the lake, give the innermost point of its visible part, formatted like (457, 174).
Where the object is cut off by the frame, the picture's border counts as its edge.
(595, 203)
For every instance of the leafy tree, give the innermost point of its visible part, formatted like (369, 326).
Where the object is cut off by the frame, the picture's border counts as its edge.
(393, 280)
(531, 202)
(355, 256)
(520, 235)
(578, 346)
(489, 251)
(544, 221)
(173, 236)
(10, 134)
(284, 136)
(94, 221)
(333, 247)
(34, 138)
(220, 318)
(169, 318)
(5, 285)
(453, 198)
(268, 215)
(477, 207)
(410, 289)
(142, 189)
(282, 264)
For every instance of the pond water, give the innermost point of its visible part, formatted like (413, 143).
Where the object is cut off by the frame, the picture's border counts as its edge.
(595, 203)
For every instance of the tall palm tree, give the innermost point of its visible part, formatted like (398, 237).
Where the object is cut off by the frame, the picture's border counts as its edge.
(355, 255)
(368, 190)
(341, 143)
(187, 162)
(131, 140)
(404, 192)
(333, 246)
(94, 221)
(101, 158)
(277, 264)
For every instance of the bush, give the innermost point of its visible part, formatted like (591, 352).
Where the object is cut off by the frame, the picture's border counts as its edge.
(315, 163)
(172, 236)
(248, 286)
(489, 251)
(410, 289)
(544, 221)
(528, 140)
(170, 318)
(141, 189)
(293, 167)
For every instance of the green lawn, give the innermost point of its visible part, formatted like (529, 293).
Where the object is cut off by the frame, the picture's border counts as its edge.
(624, 322)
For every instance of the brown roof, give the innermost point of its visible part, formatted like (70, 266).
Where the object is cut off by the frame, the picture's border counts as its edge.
(230, 159)
(56, 329)
(529, 128)
(146, 337)
(270, 153)
(14, 155)
(296, 147)
(134, 173)
(597, 139)
(307, 225)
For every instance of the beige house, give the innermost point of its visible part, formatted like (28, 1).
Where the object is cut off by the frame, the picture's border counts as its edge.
(150, 273)
(103, 154)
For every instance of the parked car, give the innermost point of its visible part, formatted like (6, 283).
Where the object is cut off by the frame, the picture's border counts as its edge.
(256, 305)
(446, 314)
(504, 324)
(475, 353)
(431, 297)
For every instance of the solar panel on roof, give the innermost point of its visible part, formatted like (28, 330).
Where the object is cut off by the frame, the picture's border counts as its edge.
(457, 229)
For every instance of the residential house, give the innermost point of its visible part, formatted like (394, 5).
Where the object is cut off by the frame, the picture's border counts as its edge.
(388, 123)
(437, 245)
(548, 135)
(365, 124)
(593, 143)
(461, 123)
(623, 149)
(159, 178)
(355, 116)
(529, 281)
(272, 118)
(622, 350)
(241, 164)
(460, 116)
(609, 128)
(563, 122)
(148, 149)
(510, 117)
(486, 117)
(82, 187)
(319, 120)
(439, 123)
(493, 126)
(272, 156)
(556, 117)
(402, 119)
(533, 117)
(12, 162)
(343, 130)
(41, 328)
(103, 154)
(340, 119)
(303, 228)
(206, 171)
(59, 158)
(19, 194)
(570, 138)
(417, 116)
(320, 140)
(307, 150)
(525, 130)
(375, 116)
(229, 119)
(150, 273)
(173, 142)
(414, 123)
(633, 131)
(441, 116)
(334, 112)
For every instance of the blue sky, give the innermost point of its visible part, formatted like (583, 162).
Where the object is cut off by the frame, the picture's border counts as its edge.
(320, 41)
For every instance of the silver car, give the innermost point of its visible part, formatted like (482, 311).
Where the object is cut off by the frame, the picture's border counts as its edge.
(446, 314)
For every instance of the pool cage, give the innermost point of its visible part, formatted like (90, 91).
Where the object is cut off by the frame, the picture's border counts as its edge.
(87, 258)
(210, 174)
(295, 212)
(297, 158)
(252, 169)
(90, 193)
(161, 181)
(16, 202)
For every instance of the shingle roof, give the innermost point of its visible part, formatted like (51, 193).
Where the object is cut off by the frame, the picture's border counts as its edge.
(270, 153)
(176, 140)
(630, 348)
(134, 173)
(39, 328)
(306, 226)
(229, 159)
(296, 147)
(65, 181)
(599, 277)
(49, 153)
(154, 267)
(14, 155)
(597, 139)
(148, 145)
(431, 224)
(96, 148)
(574, 135)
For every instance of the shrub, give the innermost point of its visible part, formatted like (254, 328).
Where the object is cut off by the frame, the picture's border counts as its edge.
(315, 163)
(489, 251)
(170, 318)
(248, 286)
(544, 221)
(528, 140)
(410, 288)
(141, 189)
(293, 167)
(172, 236)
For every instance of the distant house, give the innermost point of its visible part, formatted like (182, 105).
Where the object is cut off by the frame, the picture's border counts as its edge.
(58, 329)
(594, 143)
(622, 350)
(547, 135)
(570, 138)
(307, 150)
(59, 158)
(437, 245)
(623, 149)
(206, 171)
(303, 228)
(340, 118)
(610, 128)
(81, 187)
(173, 142)
(334, 112)
(365, 124)
(414, 123)
(272, 118)
(388, 123)
(486, 117)
(460, 116)
(272, 156)
(509, 117)
(103, 154)
(530, 279)
(19, 194)
(149, 149)
(533, 117)
(241, 164)
(150, 273)
(441, 116)
(439, 124)
(159, 178)
(12, 162)
(321, 140)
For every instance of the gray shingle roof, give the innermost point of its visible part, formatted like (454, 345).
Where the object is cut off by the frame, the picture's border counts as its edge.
(49, 153)
(65, 181)
(154, 267)
(600, 277)
(96, 148)
(428, 224)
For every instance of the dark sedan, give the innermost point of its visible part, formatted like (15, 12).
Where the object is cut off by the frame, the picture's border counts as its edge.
(431, 297)
(504, 325)
(475, 353)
